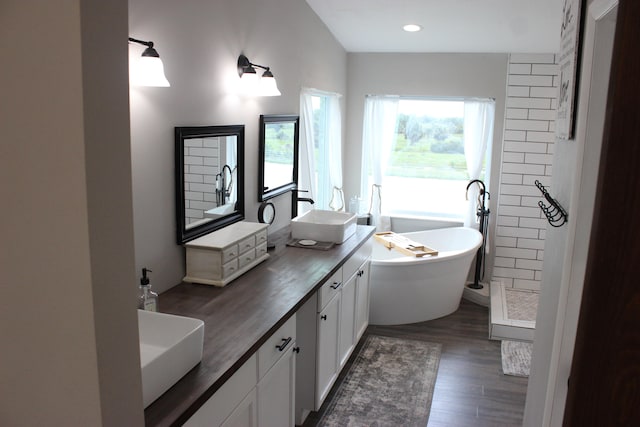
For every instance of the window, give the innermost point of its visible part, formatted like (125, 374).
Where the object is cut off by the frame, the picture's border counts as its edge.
(321, 150)
(435, 148)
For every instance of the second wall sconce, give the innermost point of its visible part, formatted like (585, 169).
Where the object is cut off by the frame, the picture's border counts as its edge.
(149, 69)
(254, 85)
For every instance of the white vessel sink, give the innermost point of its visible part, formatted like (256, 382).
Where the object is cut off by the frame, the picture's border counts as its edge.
(169, 347)
(324, 226)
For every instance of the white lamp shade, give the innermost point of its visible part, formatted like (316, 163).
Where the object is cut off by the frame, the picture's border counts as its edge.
(249, 83)
(149, 71)
(268, 87)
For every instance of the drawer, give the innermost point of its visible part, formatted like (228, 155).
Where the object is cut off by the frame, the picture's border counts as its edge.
(276, 346)
(261, 250)
(246, 258)
(229, 268)
(246, 244)
(229, 253)
(329, 289)
(261, 237)
(352, 265)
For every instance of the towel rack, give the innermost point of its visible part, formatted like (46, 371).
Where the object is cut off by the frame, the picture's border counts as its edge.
(555, 214)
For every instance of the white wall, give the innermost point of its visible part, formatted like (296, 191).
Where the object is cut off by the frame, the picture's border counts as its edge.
(199, 42)
(68, 322)
(426, 74)
(566, 249)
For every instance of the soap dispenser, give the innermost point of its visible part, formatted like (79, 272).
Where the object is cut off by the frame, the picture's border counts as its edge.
(148, 299)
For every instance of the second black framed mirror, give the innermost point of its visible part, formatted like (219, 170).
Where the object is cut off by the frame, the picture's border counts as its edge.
(278, 155)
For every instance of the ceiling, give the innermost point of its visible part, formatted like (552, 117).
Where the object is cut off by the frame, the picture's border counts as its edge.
(522, 26)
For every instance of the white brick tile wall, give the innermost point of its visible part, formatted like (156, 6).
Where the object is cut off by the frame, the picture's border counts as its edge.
(540, 125)
(510, 200)
(505, 262)
(547, 137)
(509, 242)
(516, 232)
(527, 156)
(523, 91)
(522, 102)
(541, 159)
(520, 69)
(513, 157)
(527, 284)
(515, 135)
(542, 92)
(548, 115)
(523, 147)
(518, 80)
(202, 159)
(523, 168)
(518, 113)
(507, 221)
(527, 58)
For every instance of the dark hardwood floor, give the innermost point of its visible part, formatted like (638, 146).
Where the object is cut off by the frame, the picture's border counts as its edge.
(470, 388)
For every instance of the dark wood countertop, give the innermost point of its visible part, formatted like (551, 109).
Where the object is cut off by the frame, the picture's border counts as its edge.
(242, 315)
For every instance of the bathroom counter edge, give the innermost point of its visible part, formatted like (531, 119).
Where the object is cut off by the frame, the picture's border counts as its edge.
(242, 315)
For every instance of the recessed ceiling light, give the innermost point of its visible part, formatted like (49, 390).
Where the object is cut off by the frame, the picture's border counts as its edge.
(412, 28)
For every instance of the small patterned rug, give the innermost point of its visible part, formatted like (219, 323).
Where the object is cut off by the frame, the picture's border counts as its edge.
(390, 383)
(521, 304)
(516, 358)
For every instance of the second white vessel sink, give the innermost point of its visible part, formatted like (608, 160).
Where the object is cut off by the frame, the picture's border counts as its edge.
(324, 226)
(170, 346)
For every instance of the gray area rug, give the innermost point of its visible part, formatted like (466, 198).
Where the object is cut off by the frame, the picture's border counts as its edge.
(516, 358)
(389, 384)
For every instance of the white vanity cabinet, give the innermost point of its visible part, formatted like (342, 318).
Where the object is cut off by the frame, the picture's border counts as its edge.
(223, 255)
(329, 327)
(328, 332)
(346, 335)
(358, 268)
(276, 392)
(262, 392)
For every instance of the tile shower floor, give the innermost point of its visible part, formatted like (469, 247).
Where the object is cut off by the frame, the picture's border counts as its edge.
(513, 313)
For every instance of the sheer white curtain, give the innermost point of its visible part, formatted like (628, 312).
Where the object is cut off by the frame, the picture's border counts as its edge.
(308, 164)
(379, 124)
(478, 133)
(334, 136)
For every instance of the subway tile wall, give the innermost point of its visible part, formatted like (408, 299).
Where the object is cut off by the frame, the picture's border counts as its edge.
(202, 164)
(529, 135)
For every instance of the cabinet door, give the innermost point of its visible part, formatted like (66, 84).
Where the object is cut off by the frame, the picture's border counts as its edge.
(245, 415)
(327, 363)
(347, 319)
(276, 393)
(362, 301)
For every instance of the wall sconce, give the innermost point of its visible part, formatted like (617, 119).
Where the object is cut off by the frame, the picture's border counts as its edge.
(254, 85)
(149, 69)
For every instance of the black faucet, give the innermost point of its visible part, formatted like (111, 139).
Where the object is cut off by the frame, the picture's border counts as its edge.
(305, 199)
(295, 199)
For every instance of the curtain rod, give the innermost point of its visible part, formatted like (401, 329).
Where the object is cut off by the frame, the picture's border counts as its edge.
(433, 98)
(321, 92)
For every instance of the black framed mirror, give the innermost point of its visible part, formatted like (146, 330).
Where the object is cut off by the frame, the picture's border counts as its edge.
(209, 177)
(278, 155)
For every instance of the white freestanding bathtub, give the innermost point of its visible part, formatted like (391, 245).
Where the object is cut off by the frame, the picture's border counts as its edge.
(407, 289)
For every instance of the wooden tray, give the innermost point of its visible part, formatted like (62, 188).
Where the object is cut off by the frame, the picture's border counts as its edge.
(403, 244)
